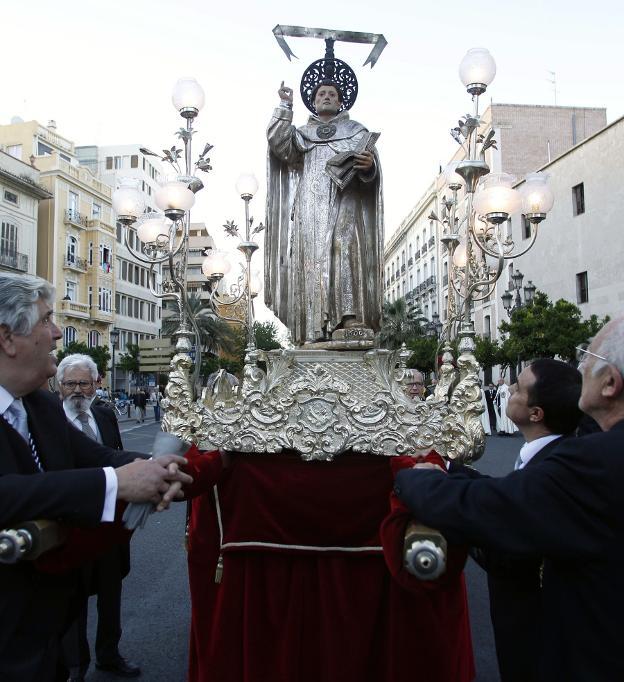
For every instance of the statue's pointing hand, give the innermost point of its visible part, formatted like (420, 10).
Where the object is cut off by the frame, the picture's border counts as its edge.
(285, 93)
(363, 161)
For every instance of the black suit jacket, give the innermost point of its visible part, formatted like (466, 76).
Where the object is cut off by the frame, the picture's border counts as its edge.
(569, 510)
(34, 606)
(514, 584)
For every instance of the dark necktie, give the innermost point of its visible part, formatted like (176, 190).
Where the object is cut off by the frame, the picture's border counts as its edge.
(83, 418)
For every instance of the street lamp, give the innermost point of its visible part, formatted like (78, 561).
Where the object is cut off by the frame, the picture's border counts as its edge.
(114, 338)
(165, 236)
(518, 302)
(473, 224)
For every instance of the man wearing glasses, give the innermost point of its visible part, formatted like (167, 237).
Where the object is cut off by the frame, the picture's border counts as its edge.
(568, 510)
(77, 375)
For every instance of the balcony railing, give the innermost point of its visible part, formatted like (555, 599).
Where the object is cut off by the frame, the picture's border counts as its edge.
(410, 262)
(76, 263)
(98, 314)
(75, 218)
(76, 309)
(430, 282)
(99, 224)
(423, 249)
(431, 241)
(15, 260)
(403, 269)
(417, 253)
(445, 280)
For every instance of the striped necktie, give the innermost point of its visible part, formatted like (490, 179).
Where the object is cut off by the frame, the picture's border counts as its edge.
(83, 418)
(18, 419)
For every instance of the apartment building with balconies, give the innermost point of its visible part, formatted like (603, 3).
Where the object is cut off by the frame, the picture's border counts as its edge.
(20, 194)
(528, 137)
(76, 233)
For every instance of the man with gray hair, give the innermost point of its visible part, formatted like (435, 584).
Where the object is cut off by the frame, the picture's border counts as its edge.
(77, 376)
(50, 470)
(567, 510)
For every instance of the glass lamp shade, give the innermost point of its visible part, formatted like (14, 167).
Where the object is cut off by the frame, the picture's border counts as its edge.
(529, 291)
(188, 94)
(537, 197)
(460, 256)
(517, 278)
(477, 66)
(174, 195)
(497, 195)
(149, 230)
(216, 264)
(247, 185)
(450, 176)
(128, 200)
(256, 283)
(507, 297)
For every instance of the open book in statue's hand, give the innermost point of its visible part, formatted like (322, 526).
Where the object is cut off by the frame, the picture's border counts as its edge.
(340, 167)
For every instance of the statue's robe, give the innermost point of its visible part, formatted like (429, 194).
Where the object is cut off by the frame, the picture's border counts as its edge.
(323, 246)
(306, 594)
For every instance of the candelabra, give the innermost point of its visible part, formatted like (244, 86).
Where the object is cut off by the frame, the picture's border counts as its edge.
(473, 225)
(165, 236)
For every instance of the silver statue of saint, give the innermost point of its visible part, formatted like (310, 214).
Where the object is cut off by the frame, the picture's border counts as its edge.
(324, 237)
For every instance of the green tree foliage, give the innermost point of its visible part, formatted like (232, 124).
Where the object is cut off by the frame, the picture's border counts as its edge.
(545, 330)
(400, 323)
(424, 353)
(129, 361)
(100, 354)
(489, 353)
(215, 335)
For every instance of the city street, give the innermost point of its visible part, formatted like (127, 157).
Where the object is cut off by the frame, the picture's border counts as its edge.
(156, 608)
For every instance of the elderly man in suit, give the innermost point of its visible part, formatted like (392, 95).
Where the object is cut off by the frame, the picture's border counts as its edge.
(77, 376)
(567, 510)
(51, 470)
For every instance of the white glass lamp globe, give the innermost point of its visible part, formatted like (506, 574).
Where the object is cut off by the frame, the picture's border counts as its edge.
(128, 202)
(450, 174)
(460, 256)
(188, 95)
(152, 228)
(174, 195)
(216, 264)
(477, 67)
(537, 197)
(247, 185)
(497, 195)
(256, 284)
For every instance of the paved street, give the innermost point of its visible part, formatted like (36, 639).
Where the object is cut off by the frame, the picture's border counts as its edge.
(156, 609)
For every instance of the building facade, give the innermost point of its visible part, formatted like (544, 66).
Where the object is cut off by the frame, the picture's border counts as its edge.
(20, 194)
(528, 137)
(76, 233)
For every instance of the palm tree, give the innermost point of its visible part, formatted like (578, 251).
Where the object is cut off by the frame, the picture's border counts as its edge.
(400, 322)
(214, 334)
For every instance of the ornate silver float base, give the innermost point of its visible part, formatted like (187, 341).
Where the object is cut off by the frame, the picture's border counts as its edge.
(322, 403)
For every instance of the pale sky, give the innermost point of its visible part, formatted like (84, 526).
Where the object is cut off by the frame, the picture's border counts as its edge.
(105, 70)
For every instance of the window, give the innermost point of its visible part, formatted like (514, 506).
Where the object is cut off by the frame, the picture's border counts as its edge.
(582, 288)
(119, 232)
(90, 297)
(96, 211)
(124, 270)
(526, 227)
(487, 327)
(43, 149)
(134, 161)
(105, 257)
(117, 304)
(15, 150)
(11, 197)
(105, 299)
(93, 339)
(72, 248)
(118, 162)
(73, 203)
(69, 335)
(8, 239)
(71, 290)
(90, 253)
(65, 157)
(109, 163)
(578, 199)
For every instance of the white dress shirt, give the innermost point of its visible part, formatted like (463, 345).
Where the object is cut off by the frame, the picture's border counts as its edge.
(108, 512)
(529, 450)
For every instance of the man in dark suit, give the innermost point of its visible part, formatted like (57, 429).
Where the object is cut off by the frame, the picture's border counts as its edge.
(490, 394)
(544, 407)
(568, 509)
(50, 470)
(77, 376)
